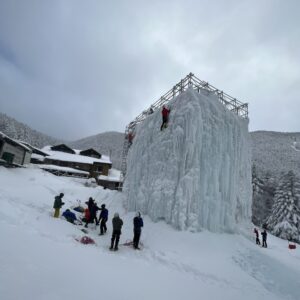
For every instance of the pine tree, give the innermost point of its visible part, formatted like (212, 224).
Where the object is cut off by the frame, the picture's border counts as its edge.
(263, 187)
(284, 220)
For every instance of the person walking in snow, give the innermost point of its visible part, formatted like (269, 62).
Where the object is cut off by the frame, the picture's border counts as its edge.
(93, 208)
(165, 117)
(264, 238)
(103, 219)
(117, 223)
(257, 236)
(137, 229)
(58, 204)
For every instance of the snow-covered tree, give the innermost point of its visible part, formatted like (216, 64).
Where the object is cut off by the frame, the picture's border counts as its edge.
(262, 196)
(284, 220)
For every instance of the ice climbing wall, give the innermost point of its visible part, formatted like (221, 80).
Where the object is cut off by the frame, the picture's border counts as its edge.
(196, 173)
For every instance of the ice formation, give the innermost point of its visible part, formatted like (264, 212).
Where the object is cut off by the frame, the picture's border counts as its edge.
(197, 172)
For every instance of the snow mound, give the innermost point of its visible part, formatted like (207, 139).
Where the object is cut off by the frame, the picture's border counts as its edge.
(197, 172)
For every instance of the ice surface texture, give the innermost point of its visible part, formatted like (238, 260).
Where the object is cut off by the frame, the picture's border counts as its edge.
(197, 172)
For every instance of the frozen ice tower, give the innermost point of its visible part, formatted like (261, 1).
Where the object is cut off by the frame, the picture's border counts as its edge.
(196, 173)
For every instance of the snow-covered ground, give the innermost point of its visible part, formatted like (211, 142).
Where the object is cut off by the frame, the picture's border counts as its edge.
(40, 258)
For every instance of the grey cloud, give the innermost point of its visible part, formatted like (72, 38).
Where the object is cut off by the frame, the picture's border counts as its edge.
(76, 68)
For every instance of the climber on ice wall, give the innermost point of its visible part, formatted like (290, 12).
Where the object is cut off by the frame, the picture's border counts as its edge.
(165, 117)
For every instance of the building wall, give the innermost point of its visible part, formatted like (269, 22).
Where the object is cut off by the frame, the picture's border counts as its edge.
(109, 184)
(100, 169)
(90, 153)
(27, 158)
(17, 152)
(95, 170)
(70, 164)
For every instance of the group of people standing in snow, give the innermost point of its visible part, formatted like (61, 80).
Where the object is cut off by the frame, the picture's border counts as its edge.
(264, 237)
(90, 216)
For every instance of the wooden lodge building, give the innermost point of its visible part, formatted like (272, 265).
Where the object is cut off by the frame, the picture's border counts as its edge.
(12, 152)
(37, 156)
(89, 161)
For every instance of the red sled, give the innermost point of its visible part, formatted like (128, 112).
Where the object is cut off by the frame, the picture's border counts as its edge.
(86, 240)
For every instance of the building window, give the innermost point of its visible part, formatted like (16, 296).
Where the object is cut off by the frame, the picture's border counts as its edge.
(9, 157)
(99, 168)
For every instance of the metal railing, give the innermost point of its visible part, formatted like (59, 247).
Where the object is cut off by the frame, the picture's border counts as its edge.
(190, 81)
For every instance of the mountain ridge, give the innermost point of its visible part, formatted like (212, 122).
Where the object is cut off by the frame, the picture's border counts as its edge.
(272, 151)
(108, 143)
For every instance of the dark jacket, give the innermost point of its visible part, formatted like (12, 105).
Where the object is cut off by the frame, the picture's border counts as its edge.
(138, 223)
(104, 214)
(92, 207)
(58, 202)
(71, 217)
(264, 235)
(90, 204)
(117, 224)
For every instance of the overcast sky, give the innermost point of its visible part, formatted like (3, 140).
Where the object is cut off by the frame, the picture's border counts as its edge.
(71, 69)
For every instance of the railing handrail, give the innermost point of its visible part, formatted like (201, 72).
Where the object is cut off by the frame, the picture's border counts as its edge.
(240, 108)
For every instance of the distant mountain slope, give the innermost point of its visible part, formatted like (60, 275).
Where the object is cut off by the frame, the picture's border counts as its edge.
(275, 152)
(20, 131)
(106, 143)
(110, 143)
(272, 152)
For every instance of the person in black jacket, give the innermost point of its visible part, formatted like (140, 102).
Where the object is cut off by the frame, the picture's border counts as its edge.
(117, 223)
(58, 204)
(137, 229)
(264, 238)
(103, 219)
(93, 208)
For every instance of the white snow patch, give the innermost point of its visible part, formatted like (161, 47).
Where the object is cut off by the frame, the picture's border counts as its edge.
(113, 175)
(40, 258)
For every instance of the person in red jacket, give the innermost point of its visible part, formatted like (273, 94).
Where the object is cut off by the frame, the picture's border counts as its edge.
(257, 236)
(165, 117)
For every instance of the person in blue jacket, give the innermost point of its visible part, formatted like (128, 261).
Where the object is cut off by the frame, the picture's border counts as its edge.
(103, 219)
(70, 216)
(137, 229)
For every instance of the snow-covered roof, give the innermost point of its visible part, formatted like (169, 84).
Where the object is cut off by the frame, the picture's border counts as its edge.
(113, 175)
(37, 156)
(39, 151)
(58, 155)
(15, 142)
(65, 169)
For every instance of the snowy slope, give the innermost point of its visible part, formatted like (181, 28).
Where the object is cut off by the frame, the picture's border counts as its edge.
(21, 131)
(196, 173)
(40, 258)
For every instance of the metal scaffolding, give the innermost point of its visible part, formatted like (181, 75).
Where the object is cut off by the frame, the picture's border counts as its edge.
(190, 81)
